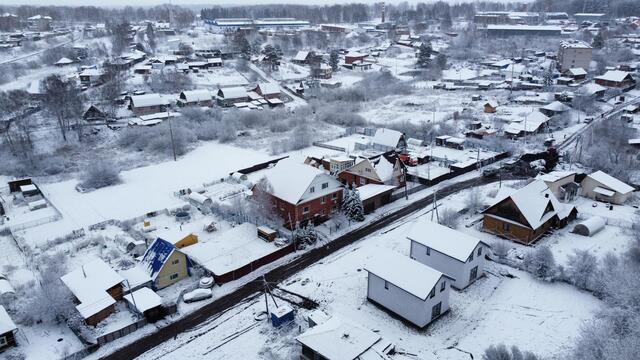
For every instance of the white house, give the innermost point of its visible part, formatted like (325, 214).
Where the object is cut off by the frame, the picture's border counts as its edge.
(451, 252)
(413, 291)
(337, 339)
(604, 187)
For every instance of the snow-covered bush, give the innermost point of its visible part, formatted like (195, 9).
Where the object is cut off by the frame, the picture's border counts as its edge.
(582, 269)
(448, 217)
(473, 201)
(541, 263)
(305, 236)
(500, 248)
(501, 352)
(99, 174)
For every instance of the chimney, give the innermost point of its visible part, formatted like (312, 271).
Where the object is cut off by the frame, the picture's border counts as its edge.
(84, 273)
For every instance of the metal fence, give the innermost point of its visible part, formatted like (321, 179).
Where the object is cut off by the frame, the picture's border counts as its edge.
(114, 335)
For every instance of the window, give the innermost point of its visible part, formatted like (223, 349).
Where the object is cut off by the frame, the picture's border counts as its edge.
(474, 274)
(305, 210)
(471, 256)
(312, 189)
(173, 276)
(334, 196)
(325, 185)
(3, 341)
(323, 200)
(505, 226)
(386, 284)
(367, 170)
(443, 286)
(436, 310)
(432, 293)
(479, 250)
(428, 251)
(175, 262)
(363, 181)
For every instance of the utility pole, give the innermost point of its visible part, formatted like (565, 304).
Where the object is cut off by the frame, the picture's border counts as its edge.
(173, 142)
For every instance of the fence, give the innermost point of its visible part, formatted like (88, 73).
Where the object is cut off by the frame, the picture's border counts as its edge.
(327, 146)
(121, 332)
(458, 171)
(259, 167)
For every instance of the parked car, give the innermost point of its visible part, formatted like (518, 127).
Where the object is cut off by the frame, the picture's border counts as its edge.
(588, 119)
(197, 295)
(490, 172)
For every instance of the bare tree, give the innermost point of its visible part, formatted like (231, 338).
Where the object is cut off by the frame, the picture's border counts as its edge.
(63, 100)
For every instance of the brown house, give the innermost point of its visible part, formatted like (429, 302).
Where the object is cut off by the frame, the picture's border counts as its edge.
(490, 107)
(387, 170)
(615, 79)
(148, 104)
(268, 90)
(527, 214)
(96, 287)
(301, 193)
(7, 330)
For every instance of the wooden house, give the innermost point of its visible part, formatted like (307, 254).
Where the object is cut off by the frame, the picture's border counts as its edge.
(165, 264)
(451, 252)
(322, 71)
(615, 79)
(374, 196)
(7, 330)
(490, 107)
(302, 57)
(302, 193)
(94, 114)
(232, 95)
(148, 104)
(268, 90)
(354, 57)
(413, 291)
(387, 170)
(527, 214)
(202, 97)
(96, 287)
(577, 74)
(147, 303)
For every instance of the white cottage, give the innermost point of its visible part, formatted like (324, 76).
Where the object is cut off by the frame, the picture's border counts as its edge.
(604, 187)
(456, 254)
(413, 291)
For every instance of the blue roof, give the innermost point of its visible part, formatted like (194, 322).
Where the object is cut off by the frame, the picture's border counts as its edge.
(156, 255)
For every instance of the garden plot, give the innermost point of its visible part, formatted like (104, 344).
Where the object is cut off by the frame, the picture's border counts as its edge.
(291, 72)
(219, 77)
(415, 109)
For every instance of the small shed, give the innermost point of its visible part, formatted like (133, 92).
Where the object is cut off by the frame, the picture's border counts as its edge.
(146, 303)
(490, 107)
(200, 200)
(281, 315)
(29, 190)
(38, 204)
(267, 233)
(590, 226)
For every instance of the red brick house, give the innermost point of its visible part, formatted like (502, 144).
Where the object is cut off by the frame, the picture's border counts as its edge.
(385, 170)
(352, 57)
(301, 193)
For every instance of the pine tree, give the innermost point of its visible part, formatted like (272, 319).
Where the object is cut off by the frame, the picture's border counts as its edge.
(424, 55)
(151, 37)
(598, 41)
(333, 60)
(352, 205)
(547, 77)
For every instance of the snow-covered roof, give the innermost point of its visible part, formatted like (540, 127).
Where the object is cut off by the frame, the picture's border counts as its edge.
(233, 92)
(634, 141)
(135, 277)
(40, 17)
(91, 72)
(64, 61)
(525, 27)
(148, 100)
(614, 75)
(442, 239)
(384, 169)
(6, 324)
(336, 339)
(268, 88)
(611, 182)
(556, 175)
(144, 299)
(532, 201)
(409, 275)
(537, 116)
(289, 179)
(387, 137)
(196, 95)
(592, 88)
(89, 284)
(370, 190)
(155, 256)
(577, 71)
(29, 187)
(301, 55)
(574, 44)
(556, 106)
(355, 54)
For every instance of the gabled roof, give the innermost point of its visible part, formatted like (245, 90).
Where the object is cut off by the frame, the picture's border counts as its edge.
(269, 88)
(147, 100)
(556, 175)
(532, 201)
(290, 180)
(611, 182)
(89, 284)
(64, 61)
(442, 239)
(614, 75)
(387, 137)
(577, 71)
(409, 275)
(196, 95)
(233, 92)
(155, 256)
(301, 55)
(336, 339)
(6, 324)
(556, 106)
(144, 299)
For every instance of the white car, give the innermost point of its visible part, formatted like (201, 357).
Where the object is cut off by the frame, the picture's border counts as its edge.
(197, 295)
